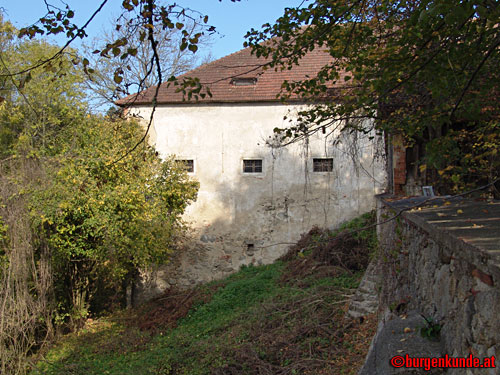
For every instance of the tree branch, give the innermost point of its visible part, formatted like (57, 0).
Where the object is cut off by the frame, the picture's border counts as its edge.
(80, 32)
(155, 61)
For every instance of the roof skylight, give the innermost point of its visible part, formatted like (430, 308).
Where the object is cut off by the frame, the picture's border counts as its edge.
(242, 81)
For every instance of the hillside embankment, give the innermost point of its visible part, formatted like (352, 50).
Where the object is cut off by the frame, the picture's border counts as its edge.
(285, 318)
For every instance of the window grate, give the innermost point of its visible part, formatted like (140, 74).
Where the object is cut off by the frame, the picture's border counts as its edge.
(188, 165)
(323, 165)
(252, 166)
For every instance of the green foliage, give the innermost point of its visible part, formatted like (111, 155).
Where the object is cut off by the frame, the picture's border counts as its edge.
(104, 220)
(243, 290)
(7, 35)
(203, 331)
(206, 339)
(41, 102)
(466, 155)
(424, 69)
(3, 230)
(79, 213)
(362, 228)
(432, 330)
(103, 213)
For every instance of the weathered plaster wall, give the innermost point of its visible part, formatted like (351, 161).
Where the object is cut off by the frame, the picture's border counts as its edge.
(266, 210)
(431, 262)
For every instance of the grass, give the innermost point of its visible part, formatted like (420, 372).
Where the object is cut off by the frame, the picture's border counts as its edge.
(260, 320)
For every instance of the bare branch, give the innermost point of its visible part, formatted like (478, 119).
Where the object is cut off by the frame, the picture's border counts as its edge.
(80, 33)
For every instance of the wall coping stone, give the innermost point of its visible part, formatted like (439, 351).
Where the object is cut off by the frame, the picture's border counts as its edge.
(470, 228)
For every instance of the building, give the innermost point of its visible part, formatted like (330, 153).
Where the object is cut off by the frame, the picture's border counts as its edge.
(255, 198)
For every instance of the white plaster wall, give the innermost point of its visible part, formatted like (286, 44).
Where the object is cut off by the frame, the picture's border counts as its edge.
(268, 210)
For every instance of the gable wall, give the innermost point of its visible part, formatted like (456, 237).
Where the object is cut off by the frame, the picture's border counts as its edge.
(269, 210)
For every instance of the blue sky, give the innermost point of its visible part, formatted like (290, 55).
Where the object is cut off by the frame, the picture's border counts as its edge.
(232, 20)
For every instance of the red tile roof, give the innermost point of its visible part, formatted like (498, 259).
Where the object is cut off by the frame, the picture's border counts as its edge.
(218, 76)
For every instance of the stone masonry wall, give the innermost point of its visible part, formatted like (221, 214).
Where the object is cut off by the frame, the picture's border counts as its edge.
(445, 277)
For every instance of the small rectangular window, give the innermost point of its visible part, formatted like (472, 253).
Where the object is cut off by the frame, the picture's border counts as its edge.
(188, 165)
(252, 166)
(241, 81)
(323, 165)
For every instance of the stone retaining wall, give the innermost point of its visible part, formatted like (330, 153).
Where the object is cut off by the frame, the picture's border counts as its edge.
(430, 265)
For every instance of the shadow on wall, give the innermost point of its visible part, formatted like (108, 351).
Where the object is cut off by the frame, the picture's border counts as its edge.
(252, 218)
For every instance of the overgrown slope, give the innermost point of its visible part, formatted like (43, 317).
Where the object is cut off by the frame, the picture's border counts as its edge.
(283, 318)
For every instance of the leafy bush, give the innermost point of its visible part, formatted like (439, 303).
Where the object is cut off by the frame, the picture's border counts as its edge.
(79, 215)
(103, 220)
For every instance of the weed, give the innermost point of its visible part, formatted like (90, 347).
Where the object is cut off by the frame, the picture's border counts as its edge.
(432, 330)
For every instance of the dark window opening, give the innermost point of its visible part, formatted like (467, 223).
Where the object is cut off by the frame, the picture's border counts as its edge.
(428, 191)
(188, 165)
(243, 81)
(252, 166)
(323, 165)
(250, 247)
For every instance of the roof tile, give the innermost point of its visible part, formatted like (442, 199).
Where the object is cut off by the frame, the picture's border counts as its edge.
(217, 76)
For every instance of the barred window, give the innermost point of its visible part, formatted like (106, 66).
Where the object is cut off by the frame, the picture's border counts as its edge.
(322, 164)
(188, 165)
(252, 166)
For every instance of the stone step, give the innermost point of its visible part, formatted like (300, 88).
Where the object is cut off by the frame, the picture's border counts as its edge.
(358, 311)
(365, 300)
(359, 299)
(366, 291)
(368, 284)
(363, 308)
